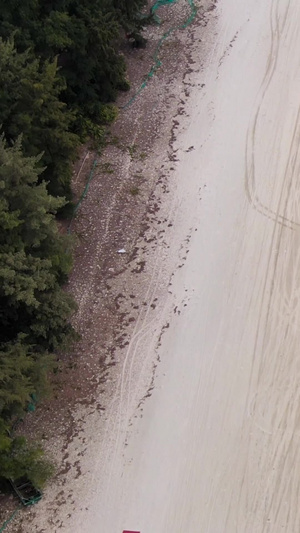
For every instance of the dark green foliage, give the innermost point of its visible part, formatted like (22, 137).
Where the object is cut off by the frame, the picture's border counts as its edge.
(34, 311)
(18, 459)
(129, 12)
(29, 104)
(84, 35)
(59, 66)
(34, 260)
(60, 69)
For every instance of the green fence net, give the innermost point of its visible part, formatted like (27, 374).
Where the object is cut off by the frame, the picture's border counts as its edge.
(157, 62)
(83, 194)
(10, 519)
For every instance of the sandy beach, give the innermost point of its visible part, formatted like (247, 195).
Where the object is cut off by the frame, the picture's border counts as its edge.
(197, 429)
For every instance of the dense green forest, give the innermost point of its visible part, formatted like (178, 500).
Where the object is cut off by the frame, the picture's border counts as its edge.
(60, 70)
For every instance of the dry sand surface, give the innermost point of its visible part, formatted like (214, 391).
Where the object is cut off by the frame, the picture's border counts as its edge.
(215, 448)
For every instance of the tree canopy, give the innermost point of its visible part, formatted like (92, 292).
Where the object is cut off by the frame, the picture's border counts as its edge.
(34, 262)
(29, 104)
(60, 70)
(60, 66)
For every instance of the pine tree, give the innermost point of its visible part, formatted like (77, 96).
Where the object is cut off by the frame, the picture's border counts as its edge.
(92, 66)
(34, 260)
(29, 104)
(34, 310)
(84, 35)
(20, 459)
(59, 67)
(129, 9)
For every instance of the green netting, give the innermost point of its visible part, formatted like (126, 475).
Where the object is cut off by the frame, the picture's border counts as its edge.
(12, 516)
(157, 64)
(32, 404)
(160, 3)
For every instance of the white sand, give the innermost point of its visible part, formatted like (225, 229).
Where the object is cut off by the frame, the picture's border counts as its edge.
(217, 449)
